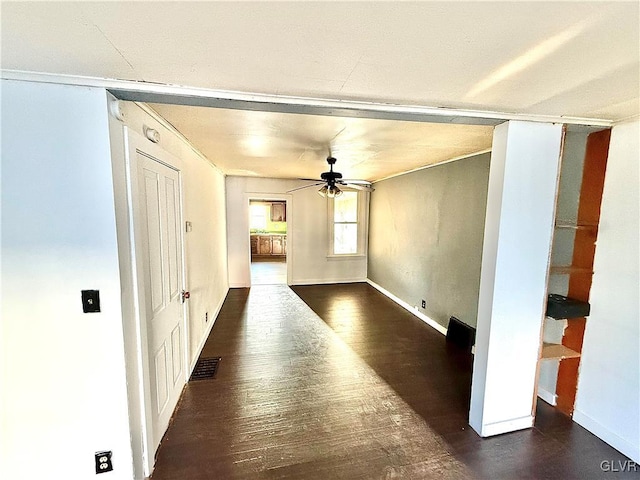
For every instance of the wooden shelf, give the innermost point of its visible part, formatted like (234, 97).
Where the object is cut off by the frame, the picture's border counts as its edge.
(568, 270)
(555, 350)
(585, 226)
(567, 318)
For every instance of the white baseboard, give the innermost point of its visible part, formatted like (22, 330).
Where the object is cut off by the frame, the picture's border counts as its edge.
(206, 334)
(623, 446)
(505, 426)
(308, 281)
(327, 282)
(429, 321)
(547, 396)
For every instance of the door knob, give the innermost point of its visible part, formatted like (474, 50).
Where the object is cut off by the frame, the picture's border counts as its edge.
(185, 295)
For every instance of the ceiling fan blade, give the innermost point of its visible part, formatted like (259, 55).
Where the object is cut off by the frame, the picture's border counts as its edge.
(356, 186)
(312, 179)
(306, 186)
(357, 182)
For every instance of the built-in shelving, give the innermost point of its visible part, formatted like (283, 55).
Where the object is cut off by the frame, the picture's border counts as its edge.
(557, 351)
(576, 227)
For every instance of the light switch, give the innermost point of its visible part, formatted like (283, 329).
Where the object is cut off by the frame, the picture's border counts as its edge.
(90, 301)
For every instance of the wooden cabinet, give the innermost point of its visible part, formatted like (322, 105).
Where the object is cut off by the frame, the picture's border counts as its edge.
(279, 212)
(268, 245)
(277, 245)
(264, 245)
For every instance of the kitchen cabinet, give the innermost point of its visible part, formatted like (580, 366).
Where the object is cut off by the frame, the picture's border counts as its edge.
(279, 212)
(264, 245)
(277, 245)
(268, 245)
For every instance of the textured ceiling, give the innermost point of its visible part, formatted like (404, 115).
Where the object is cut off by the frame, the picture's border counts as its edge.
(579, 59)
(286, 145)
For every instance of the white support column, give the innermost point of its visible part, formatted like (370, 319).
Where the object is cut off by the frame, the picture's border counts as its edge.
(518, 231)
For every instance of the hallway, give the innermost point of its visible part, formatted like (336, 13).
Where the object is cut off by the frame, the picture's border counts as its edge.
(349, 385)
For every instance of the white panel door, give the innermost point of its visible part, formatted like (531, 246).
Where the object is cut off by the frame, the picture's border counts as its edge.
(160, 223)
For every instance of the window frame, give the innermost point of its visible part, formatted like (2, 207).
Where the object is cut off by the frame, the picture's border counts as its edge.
(362, 226)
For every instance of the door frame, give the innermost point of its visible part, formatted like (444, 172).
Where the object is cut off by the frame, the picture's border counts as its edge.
(134, 144)
(281, 197)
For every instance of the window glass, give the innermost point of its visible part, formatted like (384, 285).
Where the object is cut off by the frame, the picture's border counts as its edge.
(346, 207)
(345, 224)
(258, 217)
(345, 238)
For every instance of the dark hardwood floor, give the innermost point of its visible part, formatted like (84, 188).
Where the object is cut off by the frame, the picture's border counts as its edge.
(338, 382)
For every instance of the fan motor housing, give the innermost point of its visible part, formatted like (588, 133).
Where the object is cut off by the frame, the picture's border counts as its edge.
(330, 176)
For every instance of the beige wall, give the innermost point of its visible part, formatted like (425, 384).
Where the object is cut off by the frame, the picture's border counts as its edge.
(425, 237)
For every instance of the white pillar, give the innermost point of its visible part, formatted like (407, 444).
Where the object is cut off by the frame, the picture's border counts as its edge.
(518, 231)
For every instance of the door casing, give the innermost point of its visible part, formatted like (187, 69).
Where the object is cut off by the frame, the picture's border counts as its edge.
(136, 144)
(248, 197)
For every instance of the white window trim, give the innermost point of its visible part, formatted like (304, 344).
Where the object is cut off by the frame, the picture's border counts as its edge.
(363, 228)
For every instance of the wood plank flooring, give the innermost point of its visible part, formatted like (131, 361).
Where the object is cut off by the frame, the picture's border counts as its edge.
(350, 386)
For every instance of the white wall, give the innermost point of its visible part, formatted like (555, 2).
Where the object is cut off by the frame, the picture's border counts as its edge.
(608, 398)
(63, 378)
(307, 236)
(518, 229)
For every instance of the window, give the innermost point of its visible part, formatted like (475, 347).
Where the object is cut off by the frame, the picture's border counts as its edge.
(258, 217)
(346, 225)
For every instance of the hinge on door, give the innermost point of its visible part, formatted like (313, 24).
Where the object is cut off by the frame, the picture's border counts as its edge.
(185, 295)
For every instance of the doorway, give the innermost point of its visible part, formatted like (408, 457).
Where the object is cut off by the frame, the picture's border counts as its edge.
(268, 238)
(159, 346)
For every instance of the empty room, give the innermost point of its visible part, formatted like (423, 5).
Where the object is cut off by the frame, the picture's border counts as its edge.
(317, 240)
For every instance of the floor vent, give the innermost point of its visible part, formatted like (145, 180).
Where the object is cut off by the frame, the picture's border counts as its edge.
(205, 368)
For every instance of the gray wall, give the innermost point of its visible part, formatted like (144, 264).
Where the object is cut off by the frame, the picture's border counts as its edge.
(425, 237)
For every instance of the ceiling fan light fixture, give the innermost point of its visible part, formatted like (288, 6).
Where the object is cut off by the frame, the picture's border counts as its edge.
(333, 191)
(329, 179)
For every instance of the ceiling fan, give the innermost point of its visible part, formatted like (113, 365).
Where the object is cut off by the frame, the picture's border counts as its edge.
(330, 181)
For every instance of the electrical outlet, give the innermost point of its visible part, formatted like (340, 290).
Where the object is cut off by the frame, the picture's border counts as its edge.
(424, 304)
(103, 462)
